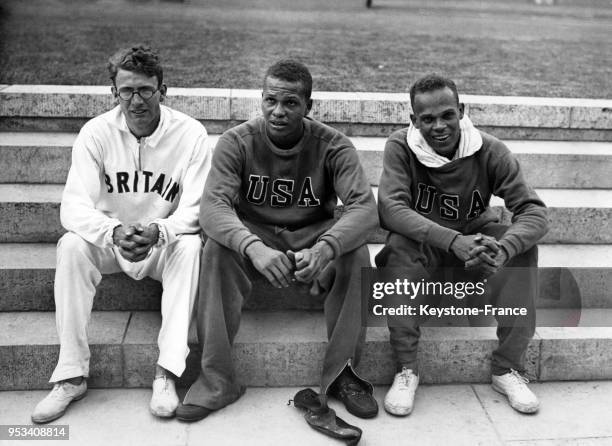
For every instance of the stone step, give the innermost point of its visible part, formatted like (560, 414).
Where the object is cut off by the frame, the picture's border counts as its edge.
(286, 349)
(67, 107)
(44, 157)
(27, 273)
(30, 214)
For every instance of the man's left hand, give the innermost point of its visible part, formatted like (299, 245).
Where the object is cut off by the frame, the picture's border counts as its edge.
(145, 238)
(489, 257)
(310, 262)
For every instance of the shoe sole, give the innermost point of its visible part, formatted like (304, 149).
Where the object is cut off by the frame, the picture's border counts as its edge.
(518, 408)
(395, 412)
(354, 412)
(189, 419)
(162, 414)
(360, 415)
(59, 415)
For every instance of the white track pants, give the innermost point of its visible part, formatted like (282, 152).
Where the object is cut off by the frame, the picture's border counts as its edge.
(79, 269)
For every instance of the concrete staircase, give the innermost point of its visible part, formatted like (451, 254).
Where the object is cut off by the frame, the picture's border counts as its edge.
(564, 148)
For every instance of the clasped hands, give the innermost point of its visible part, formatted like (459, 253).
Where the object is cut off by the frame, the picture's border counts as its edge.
(480, 252)
(282, 268)
(135, 241)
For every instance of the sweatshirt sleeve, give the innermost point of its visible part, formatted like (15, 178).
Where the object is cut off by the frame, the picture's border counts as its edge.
(529, 219)
(218, 216)
(350, 184)
(85, 178)
(395, 201)
(184, 220)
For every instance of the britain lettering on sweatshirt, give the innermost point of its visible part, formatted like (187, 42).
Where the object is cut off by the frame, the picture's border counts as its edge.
(116, 178)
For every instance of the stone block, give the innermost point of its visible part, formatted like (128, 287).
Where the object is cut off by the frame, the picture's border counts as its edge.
(30, 222)
(7, 367)
(566, 171)
(33, 339)
(245, 104)
(34, 165)
(575, 353)
(519, 115)
(461, 354)
(336, 107)
(579, 225)
(592, 114)
(546, 134)
(34, 365)
(55, 100)
(201, 103)
(140, 350)
(385, 108)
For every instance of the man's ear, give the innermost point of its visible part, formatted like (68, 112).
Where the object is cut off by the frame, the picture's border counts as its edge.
(308, 106)
(114, 93)
(461, 109)
(413, 119)
(162, 92)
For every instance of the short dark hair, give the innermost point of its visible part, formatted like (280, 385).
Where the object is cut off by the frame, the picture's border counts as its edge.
(291, 71)
(138, 58)
(431, 82)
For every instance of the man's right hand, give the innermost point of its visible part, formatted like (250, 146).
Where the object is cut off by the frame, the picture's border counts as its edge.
(465, 245)
(128, 248)
(273, 264)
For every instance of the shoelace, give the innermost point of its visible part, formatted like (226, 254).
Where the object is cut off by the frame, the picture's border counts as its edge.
(58, 388)
(165, 378)
(405, 378)
(519, 380)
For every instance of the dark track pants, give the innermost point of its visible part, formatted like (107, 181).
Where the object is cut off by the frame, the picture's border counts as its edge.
(226, 281)
(514, 333)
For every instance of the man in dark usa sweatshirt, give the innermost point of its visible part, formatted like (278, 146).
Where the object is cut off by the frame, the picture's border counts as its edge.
(268, 210)
(438, 177)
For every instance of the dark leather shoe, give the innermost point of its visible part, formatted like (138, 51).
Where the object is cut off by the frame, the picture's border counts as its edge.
(356, 398)
(323, 418)
(191, 412)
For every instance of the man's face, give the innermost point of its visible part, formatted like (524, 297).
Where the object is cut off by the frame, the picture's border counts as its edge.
(436, 114)
(142, 115)
(284, 106)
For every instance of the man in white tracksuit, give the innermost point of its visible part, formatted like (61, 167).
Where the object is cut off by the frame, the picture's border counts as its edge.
(130, 204)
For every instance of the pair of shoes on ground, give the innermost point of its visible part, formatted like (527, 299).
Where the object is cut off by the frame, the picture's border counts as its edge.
(323, 418)
(357, 399)
(55, 404)
(400, 397)
(163, 401)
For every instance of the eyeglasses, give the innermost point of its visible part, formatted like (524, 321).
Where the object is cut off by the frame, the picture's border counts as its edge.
(145, 93)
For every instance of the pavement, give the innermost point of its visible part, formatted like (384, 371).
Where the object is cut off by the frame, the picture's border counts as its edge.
(572, 413)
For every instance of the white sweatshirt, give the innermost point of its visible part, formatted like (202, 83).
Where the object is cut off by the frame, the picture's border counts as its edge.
(114, 179)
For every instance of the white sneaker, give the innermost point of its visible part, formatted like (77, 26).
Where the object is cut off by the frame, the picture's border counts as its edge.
(164, 400)
(54, 405)
(400, 397)
(514, 386)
